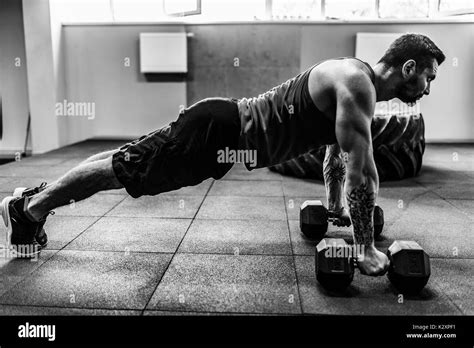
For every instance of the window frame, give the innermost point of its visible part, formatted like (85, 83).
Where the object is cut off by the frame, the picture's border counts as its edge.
(197, 11)
(432, 13)
(462, 11)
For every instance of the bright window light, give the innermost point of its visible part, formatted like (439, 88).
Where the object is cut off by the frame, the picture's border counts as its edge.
(350, 8)
(296, 9)
(182, 7)
(404, 8)
(232, 10)
(456, 6)
(137, 10)
(81, 11)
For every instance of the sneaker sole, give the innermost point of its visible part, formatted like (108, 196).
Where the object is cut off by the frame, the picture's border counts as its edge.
(6, 219)
(18, 193)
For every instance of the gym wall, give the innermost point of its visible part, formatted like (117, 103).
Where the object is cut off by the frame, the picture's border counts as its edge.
(234, 60)
(13, 81)
(267, 54)
(449, 108)
(241, 60)
(127, 105)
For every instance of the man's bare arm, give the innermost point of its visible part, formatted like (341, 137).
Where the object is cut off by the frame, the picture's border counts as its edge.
(355, 107)
(334, 171)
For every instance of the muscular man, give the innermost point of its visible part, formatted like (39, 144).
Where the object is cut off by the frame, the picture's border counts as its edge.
(331, 103)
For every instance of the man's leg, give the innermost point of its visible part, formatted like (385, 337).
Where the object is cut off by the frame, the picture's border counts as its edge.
(79, 183)
(99, 156)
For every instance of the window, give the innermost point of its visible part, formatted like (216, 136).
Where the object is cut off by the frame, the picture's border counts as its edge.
(456, 7)
(182, 7)
(232, 10)
(137, 10)
(404, 8)
(295, 9)
(248, 10)
(350, 8)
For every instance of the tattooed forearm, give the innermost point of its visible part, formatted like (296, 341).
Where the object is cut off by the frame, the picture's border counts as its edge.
(361, 201)
(334, 171)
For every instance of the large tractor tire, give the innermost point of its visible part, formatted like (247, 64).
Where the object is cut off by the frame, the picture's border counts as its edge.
(398, 142)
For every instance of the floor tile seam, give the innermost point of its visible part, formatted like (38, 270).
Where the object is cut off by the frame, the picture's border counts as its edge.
(177, 248)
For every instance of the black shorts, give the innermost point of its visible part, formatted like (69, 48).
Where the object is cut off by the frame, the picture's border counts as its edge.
(183, 153)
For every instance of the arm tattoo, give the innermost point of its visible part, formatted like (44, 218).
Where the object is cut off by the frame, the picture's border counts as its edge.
(334, 171)
(361, 206)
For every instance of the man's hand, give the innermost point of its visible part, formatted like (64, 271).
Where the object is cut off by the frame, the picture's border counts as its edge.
(373, 262)
(340, 218)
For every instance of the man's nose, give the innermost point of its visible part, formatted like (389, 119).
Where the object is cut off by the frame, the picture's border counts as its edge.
(427, 90)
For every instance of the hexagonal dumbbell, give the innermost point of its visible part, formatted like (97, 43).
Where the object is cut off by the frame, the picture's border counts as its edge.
(409, 269)
(314, 220)
(334, 264)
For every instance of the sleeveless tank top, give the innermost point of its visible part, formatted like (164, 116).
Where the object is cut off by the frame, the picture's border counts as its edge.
(284, 123)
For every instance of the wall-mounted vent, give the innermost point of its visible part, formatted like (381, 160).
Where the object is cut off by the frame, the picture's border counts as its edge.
(163, 53)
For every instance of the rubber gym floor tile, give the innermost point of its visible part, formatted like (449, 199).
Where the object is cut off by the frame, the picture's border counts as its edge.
(237, 237)
(456, 166)
(42, 161)
(262, 174)
(401, 190)
(448, 153)
(438, 239)
(452, 278)
(198, 190)
(4, 181)
(79, 279)
(165, 206)
(464, 205)
(469, 174)
(228, 283)
(430, 174)
(96, 205)
(394, 209)
(429, 207)
(149, 313)
(455, 191)
(246, 188)
(367, 296)
(9, 186)
(313, 189)
(242, 208)
(59, 311)
(132, 234)
(61, 230)
(14, 270)
(19, 170)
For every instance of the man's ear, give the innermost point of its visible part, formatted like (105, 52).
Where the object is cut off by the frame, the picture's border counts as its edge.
(409, 68)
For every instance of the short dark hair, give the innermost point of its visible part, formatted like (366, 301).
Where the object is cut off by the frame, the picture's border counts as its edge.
(418, 47)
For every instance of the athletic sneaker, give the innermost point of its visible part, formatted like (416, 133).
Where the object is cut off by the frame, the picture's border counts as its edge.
(20, 230)
(40, 236)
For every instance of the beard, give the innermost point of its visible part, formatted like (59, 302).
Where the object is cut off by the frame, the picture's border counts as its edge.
(403, 92)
